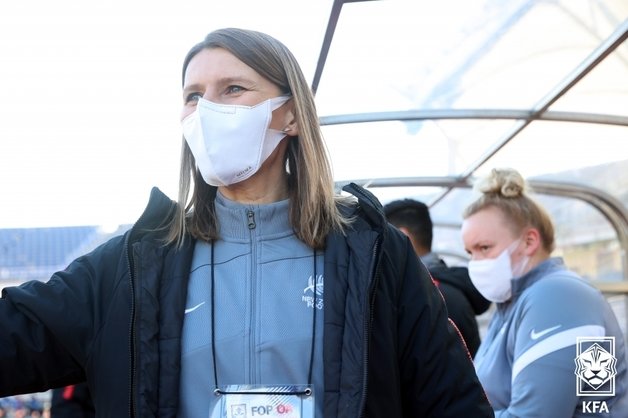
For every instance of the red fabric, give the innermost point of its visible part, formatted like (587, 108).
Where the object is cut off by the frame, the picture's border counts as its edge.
(68, 391)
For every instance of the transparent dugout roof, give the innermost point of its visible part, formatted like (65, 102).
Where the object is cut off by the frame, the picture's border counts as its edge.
(394, 55)
(458, 87)
(418, 99)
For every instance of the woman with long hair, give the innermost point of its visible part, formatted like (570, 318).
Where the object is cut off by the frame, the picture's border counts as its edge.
(260, 292)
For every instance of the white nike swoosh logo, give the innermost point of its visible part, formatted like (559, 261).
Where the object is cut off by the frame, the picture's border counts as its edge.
(193, 308)
(536, 335)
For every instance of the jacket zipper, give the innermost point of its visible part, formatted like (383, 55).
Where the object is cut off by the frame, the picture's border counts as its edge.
(371, 302)
(132, 274)
(367, 325)
(130, 258)
(250, 216)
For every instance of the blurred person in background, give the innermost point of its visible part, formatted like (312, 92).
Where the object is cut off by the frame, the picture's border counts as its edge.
(528, 362)
(463, 300)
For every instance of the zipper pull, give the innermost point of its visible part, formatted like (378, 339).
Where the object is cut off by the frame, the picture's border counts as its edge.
(251, 217)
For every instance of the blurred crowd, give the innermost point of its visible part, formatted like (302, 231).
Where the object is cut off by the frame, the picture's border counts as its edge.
(26, 406)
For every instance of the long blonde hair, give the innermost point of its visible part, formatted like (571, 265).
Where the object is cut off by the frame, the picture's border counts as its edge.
(313, 209)
(506, 190)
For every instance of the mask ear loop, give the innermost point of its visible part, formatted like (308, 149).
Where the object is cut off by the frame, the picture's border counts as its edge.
(523, 263)
(277, 102)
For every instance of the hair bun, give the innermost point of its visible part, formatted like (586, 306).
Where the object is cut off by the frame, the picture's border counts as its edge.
(503, 181)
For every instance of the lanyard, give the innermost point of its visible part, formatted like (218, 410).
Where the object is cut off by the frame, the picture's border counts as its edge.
(217, 391)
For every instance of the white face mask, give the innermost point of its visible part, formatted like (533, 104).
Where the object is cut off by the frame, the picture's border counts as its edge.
(492, 277)
(231, 142)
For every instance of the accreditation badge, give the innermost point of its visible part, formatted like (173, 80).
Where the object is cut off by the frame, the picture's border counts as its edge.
(260, 401)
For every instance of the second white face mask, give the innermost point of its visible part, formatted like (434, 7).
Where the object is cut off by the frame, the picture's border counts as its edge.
(492, 277)
(231, 142)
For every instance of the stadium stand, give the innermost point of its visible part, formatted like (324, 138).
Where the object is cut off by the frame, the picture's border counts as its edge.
(36, 253)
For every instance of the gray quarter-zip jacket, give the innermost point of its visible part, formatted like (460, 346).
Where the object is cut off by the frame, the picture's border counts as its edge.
(263, 312)
(527, 361)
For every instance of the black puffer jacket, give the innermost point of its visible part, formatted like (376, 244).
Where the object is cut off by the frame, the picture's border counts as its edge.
(463, 300)
(114, 318)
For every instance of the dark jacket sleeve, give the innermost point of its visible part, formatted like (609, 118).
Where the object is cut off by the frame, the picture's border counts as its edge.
(32, 359)
(461, 313)
(437, 373)
(47, 329)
